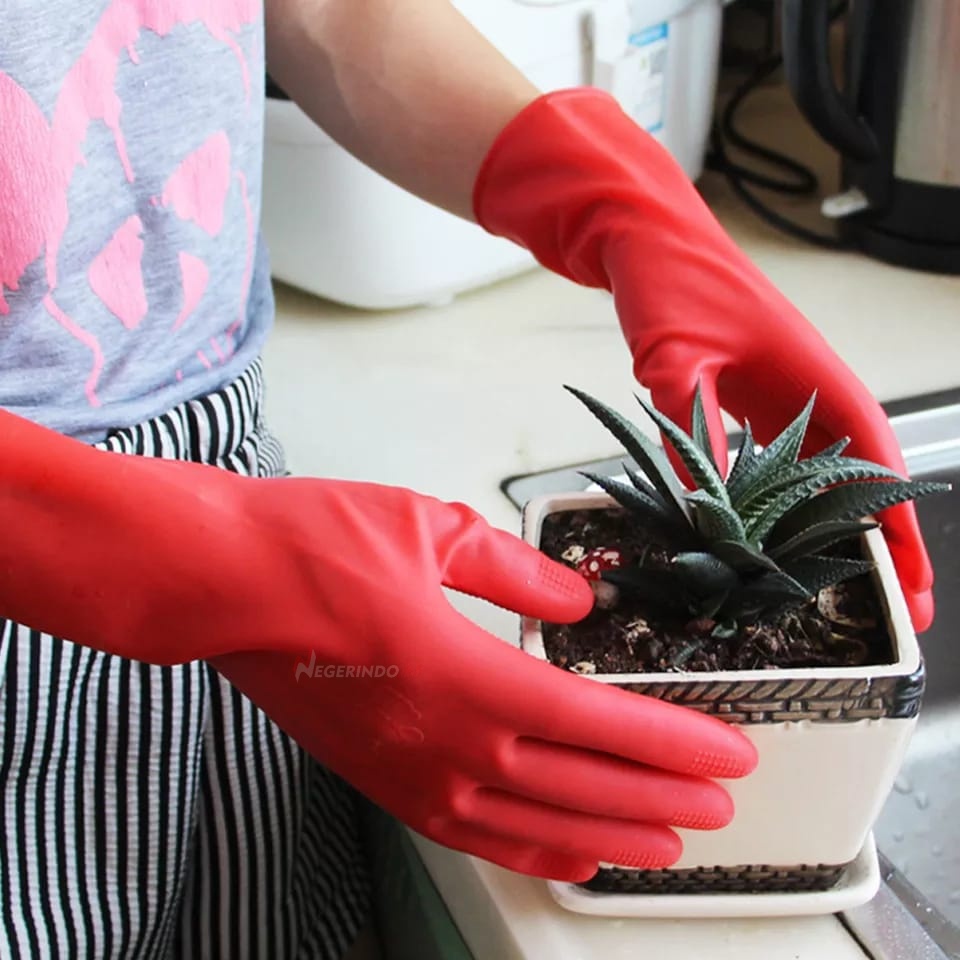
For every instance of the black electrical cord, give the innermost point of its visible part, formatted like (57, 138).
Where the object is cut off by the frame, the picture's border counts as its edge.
(800, 180)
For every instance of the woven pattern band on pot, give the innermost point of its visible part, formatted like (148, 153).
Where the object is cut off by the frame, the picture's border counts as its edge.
(778, 701)
(740, 879)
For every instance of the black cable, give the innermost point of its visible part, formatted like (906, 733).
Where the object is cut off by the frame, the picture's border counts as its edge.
(800, 180)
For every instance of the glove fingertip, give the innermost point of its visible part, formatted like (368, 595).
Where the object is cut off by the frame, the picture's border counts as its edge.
(730, 756)
(563, 596)
(562, 869)
(921, 609)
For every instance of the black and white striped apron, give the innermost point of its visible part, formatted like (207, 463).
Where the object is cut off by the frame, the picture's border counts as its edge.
(154, 811)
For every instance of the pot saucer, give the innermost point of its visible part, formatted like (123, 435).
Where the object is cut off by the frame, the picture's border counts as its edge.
(857, 885)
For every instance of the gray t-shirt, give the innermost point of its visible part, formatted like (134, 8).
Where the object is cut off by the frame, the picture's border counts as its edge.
(132, 275)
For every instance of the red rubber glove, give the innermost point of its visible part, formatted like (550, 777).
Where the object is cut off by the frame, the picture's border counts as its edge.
(462, 736)
(598, 200)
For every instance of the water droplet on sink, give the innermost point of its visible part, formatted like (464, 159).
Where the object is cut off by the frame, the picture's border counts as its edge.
(954, 897)
(903, 785)
(937, 851)
(898, 837)
(921, 800)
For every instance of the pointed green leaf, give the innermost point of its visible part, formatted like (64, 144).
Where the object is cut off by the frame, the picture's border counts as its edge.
(818, 537)
(701, 467)
(792, 498)
(815, 572)
(786, 447)
(834, 450)
(772, 591)
(701, 432)
(742, 556)
(851, 501)
(705, 574)
(650, 510)
(715, 519)
(650, 458)
(659, 588)
(782, 450)
(746, 455)
(800, 481)
(756, 500)
(643, 485)
(778, 584)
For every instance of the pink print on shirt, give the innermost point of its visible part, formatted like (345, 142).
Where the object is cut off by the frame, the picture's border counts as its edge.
(197, 189)
(116, 274)
(38, 161)
(195, 276)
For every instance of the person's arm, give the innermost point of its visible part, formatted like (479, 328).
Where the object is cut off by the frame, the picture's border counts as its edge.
(410, 88)
(387, 80)
(169, 561)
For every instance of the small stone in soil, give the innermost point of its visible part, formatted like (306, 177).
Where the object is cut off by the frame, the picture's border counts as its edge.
(574, 554)
(606, 594)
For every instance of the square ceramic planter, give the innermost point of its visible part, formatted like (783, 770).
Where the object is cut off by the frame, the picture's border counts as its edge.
(830, 743)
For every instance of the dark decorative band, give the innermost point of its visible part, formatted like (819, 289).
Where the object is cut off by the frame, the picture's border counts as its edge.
(741, 879)
(775, 701)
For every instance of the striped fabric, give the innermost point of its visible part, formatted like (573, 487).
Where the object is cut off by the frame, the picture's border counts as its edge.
(154, 812)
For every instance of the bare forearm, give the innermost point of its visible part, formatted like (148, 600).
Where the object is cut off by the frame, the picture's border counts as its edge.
(408, 86)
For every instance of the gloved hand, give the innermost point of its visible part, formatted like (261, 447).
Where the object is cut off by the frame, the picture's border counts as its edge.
(598, 200)
(283, 581)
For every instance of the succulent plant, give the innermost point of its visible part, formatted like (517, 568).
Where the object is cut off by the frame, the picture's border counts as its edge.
(750, 545)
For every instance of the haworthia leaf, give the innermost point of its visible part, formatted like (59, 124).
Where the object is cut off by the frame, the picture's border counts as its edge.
(651, 510)
(681, 530)
(774, 589)
(818, 537)
(661, 588)
(742, 556)
(701, 467)
(851, 501)
(815, 573)
(700, 430)
(705, 574)
(791, 500)
(782, 450)
(643, 485)
(746, 454)
(715, 519)
(651, 459)
(835, 449)
(800, 481)
(778, 583)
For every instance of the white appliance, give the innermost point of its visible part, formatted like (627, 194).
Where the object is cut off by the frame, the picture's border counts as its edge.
(337, 229)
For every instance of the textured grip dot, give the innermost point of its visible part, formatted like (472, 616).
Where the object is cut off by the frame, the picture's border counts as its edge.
(639, 860)
(558, 578)
(708, 763)
(698, 820)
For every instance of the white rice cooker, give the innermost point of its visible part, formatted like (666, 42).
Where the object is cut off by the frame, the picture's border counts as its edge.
(337, 229)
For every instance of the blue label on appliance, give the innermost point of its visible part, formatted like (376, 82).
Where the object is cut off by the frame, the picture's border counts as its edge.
(650, 35)
(649, 69)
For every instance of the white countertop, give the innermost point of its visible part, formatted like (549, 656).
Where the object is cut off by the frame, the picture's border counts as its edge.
(451, 400)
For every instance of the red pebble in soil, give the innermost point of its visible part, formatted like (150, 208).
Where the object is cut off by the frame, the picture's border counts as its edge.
(595, 562)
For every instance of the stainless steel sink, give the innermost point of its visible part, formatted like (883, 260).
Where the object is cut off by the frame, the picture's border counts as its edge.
(919, 830)
(917, 914)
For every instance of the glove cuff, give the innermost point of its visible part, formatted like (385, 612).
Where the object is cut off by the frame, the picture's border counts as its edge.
(564, 172)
